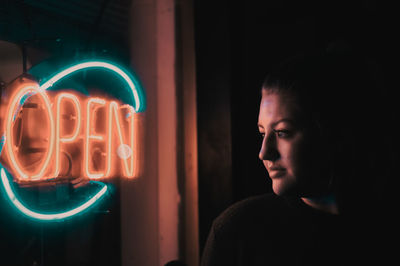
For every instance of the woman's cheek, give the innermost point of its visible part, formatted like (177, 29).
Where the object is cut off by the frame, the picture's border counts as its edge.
(296, 156)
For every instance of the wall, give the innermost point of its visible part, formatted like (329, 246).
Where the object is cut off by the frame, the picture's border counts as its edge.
(159, 209)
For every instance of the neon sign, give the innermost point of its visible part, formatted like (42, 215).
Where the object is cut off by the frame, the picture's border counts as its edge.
(95, 124)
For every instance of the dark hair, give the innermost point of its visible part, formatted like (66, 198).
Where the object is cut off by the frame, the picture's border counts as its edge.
(340, 97)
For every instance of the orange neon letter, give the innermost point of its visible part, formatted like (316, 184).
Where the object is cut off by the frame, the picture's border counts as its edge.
(75, 101)
(125, 151)
(9, 138)
(88, 137)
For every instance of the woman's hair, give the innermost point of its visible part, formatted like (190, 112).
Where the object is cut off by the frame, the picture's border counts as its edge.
(339, 96)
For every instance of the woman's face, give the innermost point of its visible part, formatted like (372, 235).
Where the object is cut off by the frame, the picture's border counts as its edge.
(287, 149)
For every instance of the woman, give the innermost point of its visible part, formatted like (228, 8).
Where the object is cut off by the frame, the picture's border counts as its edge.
(318, 118)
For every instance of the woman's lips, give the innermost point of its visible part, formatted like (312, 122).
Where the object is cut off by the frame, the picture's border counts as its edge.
(275, 172)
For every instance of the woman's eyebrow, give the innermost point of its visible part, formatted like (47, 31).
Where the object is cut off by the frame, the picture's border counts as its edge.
(287, 120)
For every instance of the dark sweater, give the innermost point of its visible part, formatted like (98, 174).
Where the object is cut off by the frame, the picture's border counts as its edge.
(272, 230)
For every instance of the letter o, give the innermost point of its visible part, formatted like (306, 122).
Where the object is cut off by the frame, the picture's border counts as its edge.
(9, 121)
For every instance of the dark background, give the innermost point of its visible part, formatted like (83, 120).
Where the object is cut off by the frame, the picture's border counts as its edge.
(237, 43)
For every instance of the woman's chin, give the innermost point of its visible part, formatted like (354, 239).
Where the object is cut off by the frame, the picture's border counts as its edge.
(283, 187)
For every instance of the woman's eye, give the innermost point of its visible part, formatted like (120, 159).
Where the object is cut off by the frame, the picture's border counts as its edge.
(283, 133)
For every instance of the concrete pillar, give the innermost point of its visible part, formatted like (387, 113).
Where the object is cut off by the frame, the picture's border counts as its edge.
(149, 204)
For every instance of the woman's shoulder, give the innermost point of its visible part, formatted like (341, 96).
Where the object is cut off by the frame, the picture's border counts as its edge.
(262, 209)
(241, 230)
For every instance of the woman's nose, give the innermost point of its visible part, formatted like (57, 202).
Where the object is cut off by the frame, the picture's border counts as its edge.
(269, 149)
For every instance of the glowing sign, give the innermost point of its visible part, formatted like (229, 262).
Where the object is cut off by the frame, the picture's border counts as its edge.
(9, 123)
(58, 140)
(48, 216)
(98, 125)
(55, 138)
